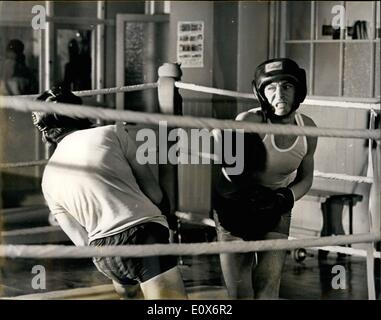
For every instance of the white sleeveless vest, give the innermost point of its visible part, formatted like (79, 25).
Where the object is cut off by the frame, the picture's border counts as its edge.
(283, 163)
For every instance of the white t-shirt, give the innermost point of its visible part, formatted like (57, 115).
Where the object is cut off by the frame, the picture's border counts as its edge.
(89, 177)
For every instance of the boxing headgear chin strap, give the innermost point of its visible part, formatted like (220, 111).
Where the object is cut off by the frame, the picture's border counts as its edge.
(276, 70)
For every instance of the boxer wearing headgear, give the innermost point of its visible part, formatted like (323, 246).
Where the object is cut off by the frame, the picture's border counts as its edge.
(101, 195)
(275, 70)
(280, 87)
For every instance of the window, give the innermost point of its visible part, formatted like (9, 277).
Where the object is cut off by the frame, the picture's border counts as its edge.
(338, 62)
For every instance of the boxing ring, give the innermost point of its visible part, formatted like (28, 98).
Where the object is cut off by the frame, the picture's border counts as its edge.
(167, 85)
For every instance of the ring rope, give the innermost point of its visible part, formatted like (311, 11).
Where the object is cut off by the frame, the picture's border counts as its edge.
(95, 92)
(131, 88)
(61, 251)
(345, 250)
(349, 251)
(26, 105)
(222, 92)
(313, 102)
(193, 87)
(191, 217)
(6, 165)
(317, 174)
(342, 177)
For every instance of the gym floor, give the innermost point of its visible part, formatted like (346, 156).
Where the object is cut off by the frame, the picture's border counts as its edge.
(310, 279)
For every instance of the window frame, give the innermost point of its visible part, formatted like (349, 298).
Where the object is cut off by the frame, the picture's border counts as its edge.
(372, 41)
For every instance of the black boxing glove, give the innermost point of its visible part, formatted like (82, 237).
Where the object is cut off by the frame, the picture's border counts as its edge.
(261, 199)
(248, 214)
(284, 199)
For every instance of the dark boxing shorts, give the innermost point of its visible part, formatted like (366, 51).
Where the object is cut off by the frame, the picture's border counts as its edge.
(126, 270)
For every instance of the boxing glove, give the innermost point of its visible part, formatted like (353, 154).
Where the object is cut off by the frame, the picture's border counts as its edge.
(248, 214)
(284, 199)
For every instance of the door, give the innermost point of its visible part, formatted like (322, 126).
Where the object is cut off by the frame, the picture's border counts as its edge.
(141, 47)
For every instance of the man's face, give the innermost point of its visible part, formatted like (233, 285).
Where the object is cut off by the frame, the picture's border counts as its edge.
(281, 95)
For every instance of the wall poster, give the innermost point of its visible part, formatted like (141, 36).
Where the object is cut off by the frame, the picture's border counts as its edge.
(190, 44)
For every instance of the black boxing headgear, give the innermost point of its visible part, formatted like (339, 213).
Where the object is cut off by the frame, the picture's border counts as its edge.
(52, 125)
(276, 70)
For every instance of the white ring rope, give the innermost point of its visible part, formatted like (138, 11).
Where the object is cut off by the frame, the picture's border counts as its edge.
(222, 92)
(342, 177)
(309, 101)
(6, 165)
(349, 251)
(317, 174)
(26, 105)
(94, 92)
(60, 251)
(194, 218)
(320, 101)
(344, 250)
(137, 87)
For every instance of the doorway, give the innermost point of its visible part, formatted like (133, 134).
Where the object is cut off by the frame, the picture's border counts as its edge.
(141, 47)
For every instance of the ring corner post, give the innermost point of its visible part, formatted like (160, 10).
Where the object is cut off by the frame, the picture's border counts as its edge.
(170, 102)
(375, 208)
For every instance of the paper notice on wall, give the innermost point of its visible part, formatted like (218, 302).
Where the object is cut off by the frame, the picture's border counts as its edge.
(190, 44)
